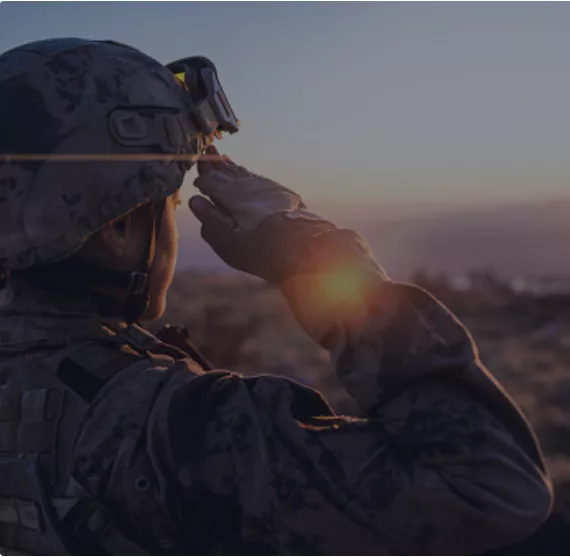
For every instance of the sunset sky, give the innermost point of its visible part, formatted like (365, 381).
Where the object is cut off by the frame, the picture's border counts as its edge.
(381, 106)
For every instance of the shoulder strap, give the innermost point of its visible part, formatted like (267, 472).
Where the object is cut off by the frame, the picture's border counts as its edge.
(89, 522)
(145, 342)
(86, 370)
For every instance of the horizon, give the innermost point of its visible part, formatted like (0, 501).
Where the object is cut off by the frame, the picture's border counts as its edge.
(440, 121)
(406, 108)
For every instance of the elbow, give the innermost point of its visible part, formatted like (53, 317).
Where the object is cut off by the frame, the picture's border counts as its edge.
(487, 511)
(516, 511)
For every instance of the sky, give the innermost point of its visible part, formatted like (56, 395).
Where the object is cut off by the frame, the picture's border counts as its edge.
(370, 107)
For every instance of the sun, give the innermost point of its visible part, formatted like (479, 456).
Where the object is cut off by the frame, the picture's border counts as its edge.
(344, 286)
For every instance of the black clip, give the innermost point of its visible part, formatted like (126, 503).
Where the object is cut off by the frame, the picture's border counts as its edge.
(138, 282)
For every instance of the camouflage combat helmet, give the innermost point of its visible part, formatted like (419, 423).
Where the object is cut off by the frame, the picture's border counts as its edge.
(90, 130)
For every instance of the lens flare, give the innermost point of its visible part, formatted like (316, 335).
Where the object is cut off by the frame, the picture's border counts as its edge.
(105, 157)
(346, 287)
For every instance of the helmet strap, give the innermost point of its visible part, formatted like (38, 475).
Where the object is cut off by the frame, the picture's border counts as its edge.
(80, 278)
(138, 295)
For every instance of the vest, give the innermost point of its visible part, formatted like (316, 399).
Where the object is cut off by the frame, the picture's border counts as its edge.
(43, 508)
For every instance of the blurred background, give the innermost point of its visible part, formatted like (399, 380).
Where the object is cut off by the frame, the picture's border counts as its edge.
(440, 131)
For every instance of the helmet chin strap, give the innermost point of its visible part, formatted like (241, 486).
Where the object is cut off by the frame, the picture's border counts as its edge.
(76, 277)
(138, 294)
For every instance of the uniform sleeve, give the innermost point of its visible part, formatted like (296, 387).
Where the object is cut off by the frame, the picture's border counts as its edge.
(443, 462)
(434, 472)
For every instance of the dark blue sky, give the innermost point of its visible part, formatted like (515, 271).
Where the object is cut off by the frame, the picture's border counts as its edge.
(405, 105)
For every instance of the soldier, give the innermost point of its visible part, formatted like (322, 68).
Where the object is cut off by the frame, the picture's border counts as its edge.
(114, 442)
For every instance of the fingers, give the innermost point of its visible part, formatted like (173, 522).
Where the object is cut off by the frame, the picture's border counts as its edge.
(212, 160)
(215, 174)
(215, 185)
(210, 215)
(217, 228)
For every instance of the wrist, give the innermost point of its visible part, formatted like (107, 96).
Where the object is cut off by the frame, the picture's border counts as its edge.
(333, 287)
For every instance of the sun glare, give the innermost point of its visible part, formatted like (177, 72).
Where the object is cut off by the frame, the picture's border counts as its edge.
(345, 286)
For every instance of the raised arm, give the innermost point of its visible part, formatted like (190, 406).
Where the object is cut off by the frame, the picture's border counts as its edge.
(443, 462)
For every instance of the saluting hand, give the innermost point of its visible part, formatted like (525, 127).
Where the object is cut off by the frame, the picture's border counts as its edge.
(253, 223)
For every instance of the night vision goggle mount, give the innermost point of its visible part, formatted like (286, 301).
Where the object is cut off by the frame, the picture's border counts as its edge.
(210, 113)
(210, 106)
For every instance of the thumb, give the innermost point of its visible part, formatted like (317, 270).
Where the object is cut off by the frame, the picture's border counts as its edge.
(201, 207)
(216, 226)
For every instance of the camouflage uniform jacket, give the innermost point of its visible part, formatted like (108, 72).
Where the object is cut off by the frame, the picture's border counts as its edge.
(190, 461)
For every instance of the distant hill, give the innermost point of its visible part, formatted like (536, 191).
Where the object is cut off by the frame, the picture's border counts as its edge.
(532, 239)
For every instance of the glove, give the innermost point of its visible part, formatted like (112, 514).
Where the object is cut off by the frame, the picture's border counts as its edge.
(258, 226)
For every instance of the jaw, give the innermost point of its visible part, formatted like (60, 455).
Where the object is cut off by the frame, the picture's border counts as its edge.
(155, 309)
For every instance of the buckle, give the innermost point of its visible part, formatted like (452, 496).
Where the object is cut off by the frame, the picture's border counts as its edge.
(137, 283)
(94, 520)
(99, 521)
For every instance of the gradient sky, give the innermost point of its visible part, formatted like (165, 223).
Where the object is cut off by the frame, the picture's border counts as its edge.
(388, 106)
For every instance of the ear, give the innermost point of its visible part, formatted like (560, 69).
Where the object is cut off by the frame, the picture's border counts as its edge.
(115, 236)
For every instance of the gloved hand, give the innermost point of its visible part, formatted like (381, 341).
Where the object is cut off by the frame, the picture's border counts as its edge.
(258, 226)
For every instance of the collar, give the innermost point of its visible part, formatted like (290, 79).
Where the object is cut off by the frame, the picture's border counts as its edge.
(32, 318)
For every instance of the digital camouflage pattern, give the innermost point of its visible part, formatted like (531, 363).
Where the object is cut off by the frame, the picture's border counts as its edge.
(212, 462)
(194, 461)
(55, 98)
